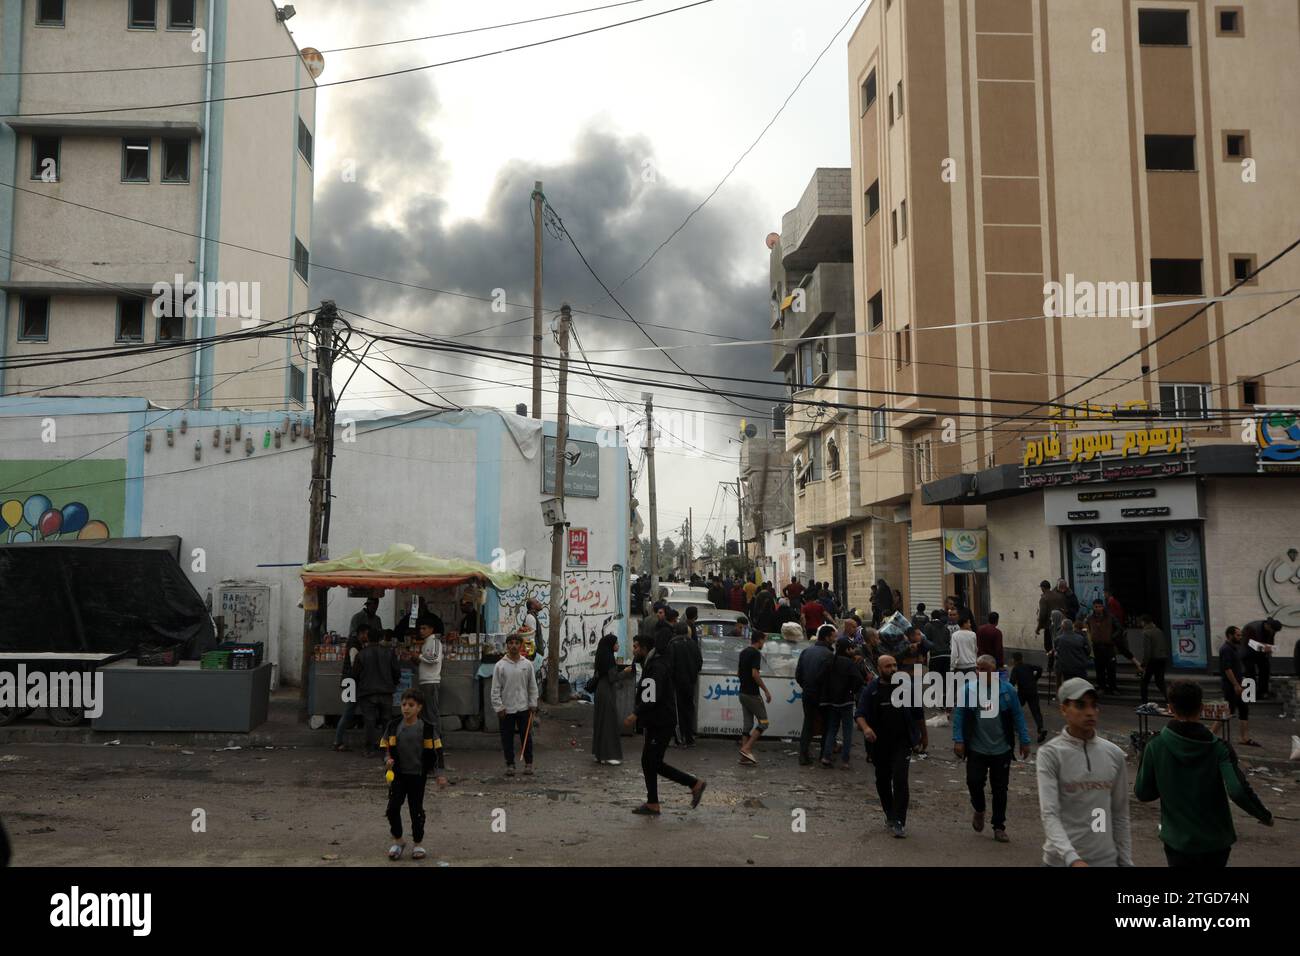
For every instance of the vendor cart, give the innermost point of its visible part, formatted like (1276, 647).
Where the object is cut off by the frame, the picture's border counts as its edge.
(402, 568)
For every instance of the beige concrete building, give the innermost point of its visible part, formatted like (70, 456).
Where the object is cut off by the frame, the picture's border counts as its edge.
(811, 281)
(1132, 153)
(110, 203)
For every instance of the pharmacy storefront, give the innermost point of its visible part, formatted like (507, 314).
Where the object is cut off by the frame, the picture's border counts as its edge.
(1198, 537)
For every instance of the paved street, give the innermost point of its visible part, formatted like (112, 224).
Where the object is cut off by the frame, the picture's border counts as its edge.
(85, 804)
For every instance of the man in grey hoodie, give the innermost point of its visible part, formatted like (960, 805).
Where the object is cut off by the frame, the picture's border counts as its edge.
(1071, 652)
(1083, 788)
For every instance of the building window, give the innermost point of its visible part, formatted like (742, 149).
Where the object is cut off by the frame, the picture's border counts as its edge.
(1175, 276)
(804, 362)
(902, 219)
(1242, 266)
(800, 473)
(171, 328)
(868, 92)
(297, 384)
(857, 547)
(49, 13)
(130, 319)
(903, 347)
(820, 548)
(1184, 401)
(876, 310)
(180, 14)
(891, 109)
(135, 160)
(873, 201)
(879, 428)
(1229, 22)
(176, 160)
(34, 318)
(300, 258)
(1236, 144)
(922, 466)
(1251, 393)
(1162, 27)
(814, 457)
(45, 158)
(832, 456)
(822, 360)
(893, 227)
(898, 98)
(304, 141)
(1171, 152)
(143, 14)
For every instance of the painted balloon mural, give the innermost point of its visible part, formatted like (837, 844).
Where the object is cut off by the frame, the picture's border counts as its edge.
(36, 519)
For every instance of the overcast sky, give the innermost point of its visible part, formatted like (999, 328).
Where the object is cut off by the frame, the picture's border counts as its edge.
(628, 129)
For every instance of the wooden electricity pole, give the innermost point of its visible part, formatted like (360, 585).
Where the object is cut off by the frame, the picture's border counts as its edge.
(538, 198)
(322, 394)
(650, 477)
(559, 530)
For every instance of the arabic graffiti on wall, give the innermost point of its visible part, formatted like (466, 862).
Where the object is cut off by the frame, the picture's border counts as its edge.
(591, 608)
(245, 613)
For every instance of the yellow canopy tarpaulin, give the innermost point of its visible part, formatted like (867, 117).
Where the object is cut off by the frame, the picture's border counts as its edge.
(401, 566)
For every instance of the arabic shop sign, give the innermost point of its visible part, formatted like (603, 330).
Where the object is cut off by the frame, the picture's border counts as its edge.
(1103, 456)
(581, 468)
(1278, 437)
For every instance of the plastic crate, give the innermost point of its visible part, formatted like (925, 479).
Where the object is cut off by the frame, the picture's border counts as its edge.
(215, 661)
(243, 660)
(156, 657)
(256, 648)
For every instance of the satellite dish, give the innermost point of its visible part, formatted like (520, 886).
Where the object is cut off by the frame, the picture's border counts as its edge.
(751, 430)
(314, 60)
(772, 237)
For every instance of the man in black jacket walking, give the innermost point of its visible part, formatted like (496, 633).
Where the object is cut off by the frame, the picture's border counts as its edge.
(813, 661)
(656, 714)
(688, 661)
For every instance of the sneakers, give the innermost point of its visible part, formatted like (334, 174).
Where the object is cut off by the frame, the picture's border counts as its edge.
(528, 770)
(899, 831)
(1001, 836)
(510, 770)
(395, 851)
(977, 821)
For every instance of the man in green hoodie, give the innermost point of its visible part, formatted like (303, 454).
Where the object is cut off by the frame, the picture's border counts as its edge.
(1193, 773)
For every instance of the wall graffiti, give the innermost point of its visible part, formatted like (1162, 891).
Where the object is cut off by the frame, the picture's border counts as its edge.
(591, 608)
(92, 496)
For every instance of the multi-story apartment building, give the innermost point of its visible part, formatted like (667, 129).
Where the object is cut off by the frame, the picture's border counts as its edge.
(117, 173)
(811, 281)
(768, 510)
(1131, 152)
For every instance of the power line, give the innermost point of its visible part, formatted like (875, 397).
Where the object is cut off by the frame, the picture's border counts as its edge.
(734, 165)
(359, 79)
(341, 49)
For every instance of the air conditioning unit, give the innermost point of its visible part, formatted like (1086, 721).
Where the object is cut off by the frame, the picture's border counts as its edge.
(778, 419)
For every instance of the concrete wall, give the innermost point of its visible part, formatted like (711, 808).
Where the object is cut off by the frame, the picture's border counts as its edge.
(1250, 522)
(454, 486)
(1016, 525)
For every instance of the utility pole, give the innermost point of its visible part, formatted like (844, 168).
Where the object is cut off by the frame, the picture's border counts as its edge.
(740, 526)
(558, 531)
(322, 394)
(690, 543)
(538, 198)
(650, 473)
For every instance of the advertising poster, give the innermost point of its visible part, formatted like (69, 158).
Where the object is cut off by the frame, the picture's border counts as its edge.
(577, 547)
(1087, 583)
(720, 713)
(1187, 636)
(965, 552)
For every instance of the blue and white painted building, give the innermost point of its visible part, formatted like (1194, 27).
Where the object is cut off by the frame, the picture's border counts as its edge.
(460, 484)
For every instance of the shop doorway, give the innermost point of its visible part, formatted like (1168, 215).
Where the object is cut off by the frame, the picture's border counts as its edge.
(1135, 575)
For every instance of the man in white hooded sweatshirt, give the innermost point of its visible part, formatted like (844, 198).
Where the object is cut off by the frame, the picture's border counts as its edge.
(1083, 788)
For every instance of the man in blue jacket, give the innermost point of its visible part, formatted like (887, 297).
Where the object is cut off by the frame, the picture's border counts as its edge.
(986, 740)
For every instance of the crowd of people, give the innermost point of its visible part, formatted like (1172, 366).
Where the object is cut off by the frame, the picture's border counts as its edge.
(847, 678)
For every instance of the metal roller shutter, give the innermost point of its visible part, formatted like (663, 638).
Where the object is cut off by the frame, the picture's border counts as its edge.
(924, 573)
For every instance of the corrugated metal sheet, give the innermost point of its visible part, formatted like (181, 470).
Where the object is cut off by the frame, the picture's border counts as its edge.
(924, 572)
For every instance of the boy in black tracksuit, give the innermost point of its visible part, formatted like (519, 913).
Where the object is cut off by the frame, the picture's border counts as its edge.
(1024, 678)
(411, 750)
(656, 714)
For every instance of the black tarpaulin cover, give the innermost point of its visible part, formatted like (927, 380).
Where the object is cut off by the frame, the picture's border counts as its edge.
(100, 597)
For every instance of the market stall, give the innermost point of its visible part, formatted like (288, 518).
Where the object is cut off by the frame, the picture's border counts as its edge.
(432, 584)
(718, 704)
